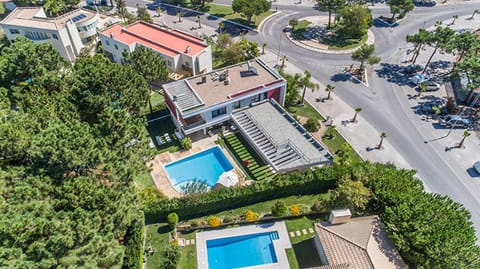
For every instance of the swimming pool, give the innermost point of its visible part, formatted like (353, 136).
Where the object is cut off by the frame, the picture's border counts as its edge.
(205, 166)
(241, 251)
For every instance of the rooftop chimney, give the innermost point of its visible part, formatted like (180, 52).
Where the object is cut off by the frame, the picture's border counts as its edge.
(187, 49)
(340, 216)
(111, 34)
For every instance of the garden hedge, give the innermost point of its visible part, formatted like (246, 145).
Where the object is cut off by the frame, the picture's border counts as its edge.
(293, 183)
(134, 245)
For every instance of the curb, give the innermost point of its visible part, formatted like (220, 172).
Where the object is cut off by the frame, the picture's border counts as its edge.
(275, 13)
(326, 51)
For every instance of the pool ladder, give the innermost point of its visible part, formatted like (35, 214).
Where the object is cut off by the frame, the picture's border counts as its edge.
(274, 236)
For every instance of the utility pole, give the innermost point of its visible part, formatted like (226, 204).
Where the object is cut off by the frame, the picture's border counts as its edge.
(278, 51)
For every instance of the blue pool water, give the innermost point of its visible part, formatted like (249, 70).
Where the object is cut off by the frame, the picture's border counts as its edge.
(241, 251)
(205, 166)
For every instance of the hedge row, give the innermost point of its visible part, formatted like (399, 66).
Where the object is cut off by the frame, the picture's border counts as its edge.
(293, 183)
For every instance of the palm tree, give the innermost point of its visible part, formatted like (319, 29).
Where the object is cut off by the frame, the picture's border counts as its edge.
(357, 110)
(455, 17)
(159, 11)
(54, 7)
(306, 82)
(465, 135)
(422, 88)
(198, 21)
(440, 39)
(284, 59)
(329, 89)
(476, 11)
(263, 48)
(179, 15)
(382, 136)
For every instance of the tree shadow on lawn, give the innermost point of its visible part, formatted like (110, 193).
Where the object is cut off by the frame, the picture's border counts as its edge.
(306, 254)
(393, 73)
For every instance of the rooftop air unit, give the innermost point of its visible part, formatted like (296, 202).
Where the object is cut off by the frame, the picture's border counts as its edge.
(340, 216)
(252, 68)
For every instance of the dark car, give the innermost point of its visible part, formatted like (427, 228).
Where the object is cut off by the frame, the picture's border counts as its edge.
(432, 108)
(412, 68)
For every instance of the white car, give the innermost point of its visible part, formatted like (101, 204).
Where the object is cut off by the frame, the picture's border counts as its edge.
(419, 78)
(476, 166)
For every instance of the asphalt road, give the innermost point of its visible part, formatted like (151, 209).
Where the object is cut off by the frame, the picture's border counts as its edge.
(382, 103)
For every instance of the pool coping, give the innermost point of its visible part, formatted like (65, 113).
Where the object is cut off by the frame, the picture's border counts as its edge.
(225, 154)
(280, 245)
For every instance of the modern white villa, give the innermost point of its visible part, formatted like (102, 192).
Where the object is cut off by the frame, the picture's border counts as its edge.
(183, 53)
(247, 97)
(68, 33)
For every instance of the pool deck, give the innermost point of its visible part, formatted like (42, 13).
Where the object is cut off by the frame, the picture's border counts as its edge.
(280, 245)
(159, 174)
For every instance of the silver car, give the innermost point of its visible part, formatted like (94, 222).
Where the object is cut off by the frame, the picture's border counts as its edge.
(454, 121)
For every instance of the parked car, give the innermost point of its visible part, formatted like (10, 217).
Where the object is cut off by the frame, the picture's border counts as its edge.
(454, 121)
(419, 78)
(431, 85)
(432, 108)
(412, 68)
(476, 166)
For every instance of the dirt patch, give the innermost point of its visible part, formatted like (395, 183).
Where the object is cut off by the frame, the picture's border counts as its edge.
(318, 134)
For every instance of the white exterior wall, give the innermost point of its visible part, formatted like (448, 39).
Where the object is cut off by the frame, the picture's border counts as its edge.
(115, 47)
(204, 61)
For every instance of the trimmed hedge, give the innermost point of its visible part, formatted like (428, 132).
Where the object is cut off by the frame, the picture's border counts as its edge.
(293, 183)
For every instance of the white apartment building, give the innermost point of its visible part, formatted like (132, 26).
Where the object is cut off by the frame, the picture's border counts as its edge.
(182, 52)
(68, 33)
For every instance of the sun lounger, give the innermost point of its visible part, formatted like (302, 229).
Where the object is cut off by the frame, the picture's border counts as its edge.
(159, 140)
(167, 137)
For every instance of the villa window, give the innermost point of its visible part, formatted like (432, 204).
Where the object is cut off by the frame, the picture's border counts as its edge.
(219, 112)
(106, 42)
(256, 98)
(169, 63)
(236, 104)
(55, 36)
(14, 31)
(116, 47)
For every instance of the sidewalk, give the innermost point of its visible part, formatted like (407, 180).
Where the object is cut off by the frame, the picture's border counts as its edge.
(360, 135)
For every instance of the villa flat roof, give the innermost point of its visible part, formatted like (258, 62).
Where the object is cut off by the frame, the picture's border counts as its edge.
(167, 41)
(280, 127)
(192, 93)
(28, 17)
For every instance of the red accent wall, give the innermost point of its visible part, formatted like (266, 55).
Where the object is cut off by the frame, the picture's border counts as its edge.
(171, 106)
(275, 94)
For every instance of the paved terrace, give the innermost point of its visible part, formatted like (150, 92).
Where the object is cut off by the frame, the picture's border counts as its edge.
(211, 89)
(279, 138)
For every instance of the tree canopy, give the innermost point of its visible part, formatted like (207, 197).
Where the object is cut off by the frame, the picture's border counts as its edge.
(71, 141)
(365, 53)
(251, 7)
(331, 6)
(401, 7)
(354, 21)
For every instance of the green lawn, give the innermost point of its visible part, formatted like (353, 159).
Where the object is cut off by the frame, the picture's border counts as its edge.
(226, 12)
(157, 237)
(266, 207)
(159, 128)
(303, 246)
(298, 30)
(343, 44)
(292, 259)
(306, 111)
(332, 139)
(240, 150)
(188, 257)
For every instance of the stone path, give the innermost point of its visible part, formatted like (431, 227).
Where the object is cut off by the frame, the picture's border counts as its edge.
(301, 232)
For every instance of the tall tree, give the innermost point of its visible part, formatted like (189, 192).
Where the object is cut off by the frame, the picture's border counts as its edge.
(329, 89)
(365, 53)
(419, 40)
(331, 6)
(54, 7)
(122, 10)
(357, 110)
(441, 38)
(306, 82)
(382, 137)
(251, 7)
(465, 135)
(401, 7)
(350, 194)
(354, 21)
(464, 43)
(143, 15)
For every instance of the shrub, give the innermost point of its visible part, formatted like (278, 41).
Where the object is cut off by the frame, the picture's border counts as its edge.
(214, 221)
(186, 143)
(312, 125)
(134, 244)
(279, 209)
(213, 201)
(251, 216)
(227, 219)
(295, 210)
(172, 219)
(321, 205)
(195, 223)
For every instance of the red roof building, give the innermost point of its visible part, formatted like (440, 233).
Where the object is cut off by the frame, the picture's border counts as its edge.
(182, 52)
